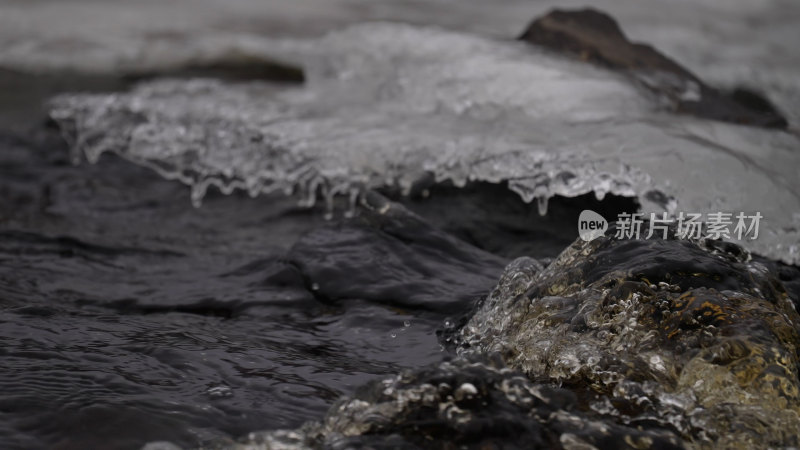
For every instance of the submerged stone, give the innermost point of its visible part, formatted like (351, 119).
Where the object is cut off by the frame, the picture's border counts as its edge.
(595, 36)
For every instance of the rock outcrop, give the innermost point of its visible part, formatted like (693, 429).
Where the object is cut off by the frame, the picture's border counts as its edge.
(697, 336)
(596, 37)
(618, 343)
(463, 403)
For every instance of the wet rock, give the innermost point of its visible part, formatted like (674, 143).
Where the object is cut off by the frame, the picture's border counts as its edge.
(464, 404)
(695, 336)
(618, 343)
(234, 67)
(409, 263)
(596, 37)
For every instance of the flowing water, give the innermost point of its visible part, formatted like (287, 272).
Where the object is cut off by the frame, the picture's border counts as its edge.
(135, 309)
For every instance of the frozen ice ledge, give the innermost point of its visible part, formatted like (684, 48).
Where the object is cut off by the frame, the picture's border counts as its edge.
(389, 104)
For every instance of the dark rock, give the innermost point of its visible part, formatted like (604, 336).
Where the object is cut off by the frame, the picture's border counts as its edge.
(234, 67)
(465, 404)
(596, 37)
(409, 264)
(697, 335)
(618, 343)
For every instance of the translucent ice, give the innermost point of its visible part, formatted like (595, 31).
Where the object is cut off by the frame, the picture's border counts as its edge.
(387, 103)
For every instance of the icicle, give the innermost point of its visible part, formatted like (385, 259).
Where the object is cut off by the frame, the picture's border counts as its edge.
(352, 203)
(198, 192)
(541, 203)
(328, 195)
(310, 192)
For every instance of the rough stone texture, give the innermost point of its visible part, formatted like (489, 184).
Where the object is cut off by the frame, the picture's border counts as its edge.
(694, 335)
(595, 36)
(464, 404)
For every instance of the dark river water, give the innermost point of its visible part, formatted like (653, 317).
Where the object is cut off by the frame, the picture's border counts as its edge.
(128, 315)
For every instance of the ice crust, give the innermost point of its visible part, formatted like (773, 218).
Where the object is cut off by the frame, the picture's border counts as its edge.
(386, 104)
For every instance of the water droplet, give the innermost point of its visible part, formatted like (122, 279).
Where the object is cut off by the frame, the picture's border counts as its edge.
(406, 323)
(314, 287)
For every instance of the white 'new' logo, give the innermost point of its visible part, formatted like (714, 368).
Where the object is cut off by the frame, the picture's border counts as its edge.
(591, 225)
